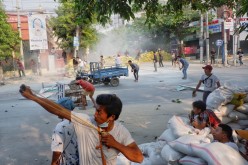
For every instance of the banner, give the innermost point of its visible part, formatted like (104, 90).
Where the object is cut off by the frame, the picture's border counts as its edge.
(37, 31)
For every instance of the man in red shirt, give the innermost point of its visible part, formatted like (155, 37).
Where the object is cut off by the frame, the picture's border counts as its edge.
(88, 88)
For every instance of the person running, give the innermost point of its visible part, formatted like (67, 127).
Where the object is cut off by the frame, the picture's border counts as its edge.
(135, 70)
(64, 139)
(184, 66)
(100, 137)
(210, 81)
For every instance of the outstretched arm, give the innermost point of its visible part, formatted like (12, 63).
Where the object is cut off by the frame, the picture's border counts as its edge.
(47, 104)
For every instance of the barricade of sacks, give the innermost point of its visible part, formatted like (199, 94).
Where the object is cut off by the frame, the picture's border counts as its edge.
(230, 104)
(183, 144)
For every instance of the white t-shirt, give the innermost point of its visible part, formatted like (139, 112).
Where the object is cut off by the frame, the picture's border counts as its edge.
(64, 140)
(118, 60)
(88, 140)
(209, 83)
(233, 145)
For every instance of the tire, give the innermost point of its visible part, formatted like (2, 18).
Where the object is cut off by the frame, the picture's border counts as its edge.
(114, 82)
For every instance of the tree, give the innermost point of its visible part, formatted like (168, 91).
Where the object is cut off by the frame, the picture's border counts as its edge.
(103, 9)
(9, 39)
(65, 24)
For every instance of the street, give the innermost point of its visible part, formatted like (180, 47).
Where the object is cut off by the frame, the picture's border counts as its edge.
(26, 128)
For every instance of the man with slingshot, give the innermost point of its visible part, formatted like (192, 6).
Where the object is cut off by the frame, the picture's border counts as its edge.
(100, 137)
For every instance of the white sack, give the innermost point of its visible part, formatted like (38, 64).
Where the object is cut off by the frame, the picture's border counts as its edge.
(235, 86)
(189, 160)
(225, 120)
(167, 136)
(169, 154)
(182, 144)
(235, 115)
(218, 154)
(218, 97)
(243, 122)
(145, 149)
(146, 161)
(122, 160)
(243, 109)
(179, 127)
(235, 126)
(226, 109)
(156, 159)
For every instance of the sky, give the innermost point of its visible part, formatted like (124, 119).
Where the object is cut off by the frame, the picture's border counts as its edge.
(30, 5)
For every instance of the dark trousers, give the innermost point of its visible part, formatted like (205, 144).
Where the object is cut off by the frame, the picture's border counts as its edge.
(136, 74)
(205, 96)
(161, 63)
(212, 60)
(240, 61)
(21, 71)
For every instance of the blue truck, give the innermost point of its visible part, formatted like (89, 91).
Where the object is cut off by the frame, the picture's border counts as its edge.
(108, 75)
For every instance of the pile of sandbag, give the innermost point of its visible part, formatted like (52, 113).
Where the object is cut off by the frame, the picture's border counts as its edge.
(230, 104)
(183, 144)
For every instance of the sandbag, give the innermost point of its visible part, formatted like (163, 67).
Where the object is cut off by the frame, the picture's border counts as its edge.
(167, 136)
(235, 126)
(234, 86)
(169, 154)
(179, 127)
(218, 154)
(218, 97)
(235, 115)
(156, 159)
(146, 161)
(225, 120)
(145, 149)
(122, 160)
(182, 144)
(243, 109)
(189, 160)
(226, 109)
(243, 122)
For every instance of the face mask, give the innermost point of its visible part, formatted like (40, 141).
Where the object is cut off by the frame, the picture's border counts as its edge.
(104, 125)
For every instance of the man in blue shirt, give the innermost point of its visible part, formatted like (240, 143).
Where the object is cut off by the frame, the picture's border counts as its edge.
(184, 66)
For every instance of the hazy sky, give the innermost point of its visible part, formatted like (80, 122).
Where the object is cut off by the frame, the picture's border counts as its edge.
(29, 5)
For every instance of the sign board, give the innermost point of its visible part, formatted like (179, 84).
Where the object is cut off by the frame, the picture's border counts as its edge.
(229, 24)
(219, 43)
(75, 41)
(216, 28)
(37, 31)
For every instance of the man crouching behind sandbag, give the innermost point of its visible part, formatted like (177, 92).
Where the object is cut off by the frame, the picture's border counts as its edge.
(201, 117)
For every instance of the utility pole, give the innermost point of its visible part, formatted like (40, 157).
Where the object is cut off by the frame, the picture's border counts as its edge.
(201, 39)
(207, 38)
(20, 31)
(234, 36)
(225, 39)
(77, 42)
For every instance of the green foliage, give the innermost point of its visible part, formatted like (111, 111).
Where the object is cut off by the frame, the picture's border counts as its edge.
(9, 39)
(65, 24)
(103, 9)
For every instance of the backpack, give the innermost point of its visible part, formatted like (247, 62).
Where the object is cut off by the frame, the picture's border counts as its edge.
(214, 121)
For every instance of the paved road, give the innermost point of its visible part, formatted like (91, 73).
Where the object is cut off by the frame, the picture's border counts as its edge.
(25, 128)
